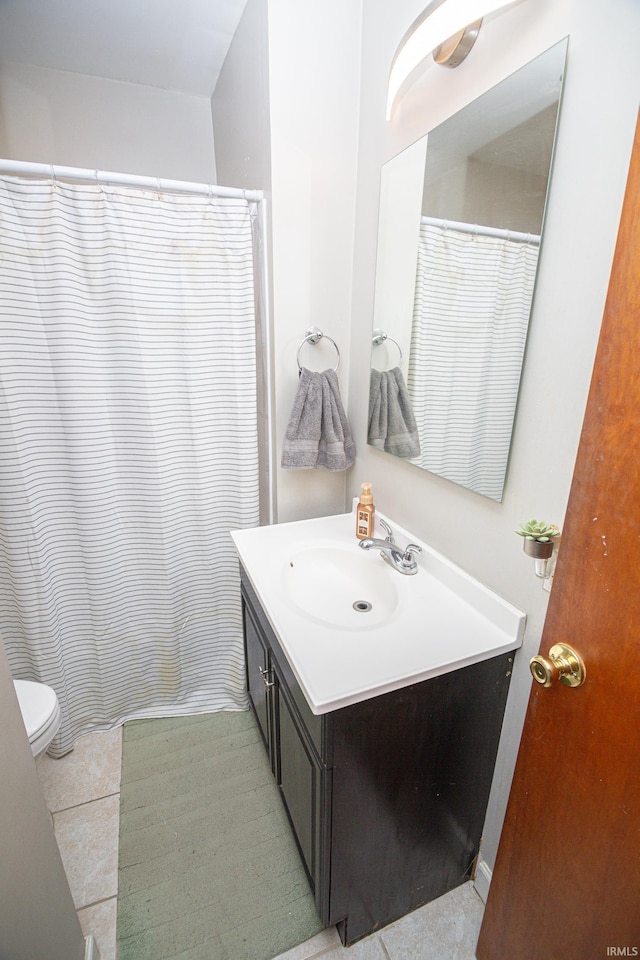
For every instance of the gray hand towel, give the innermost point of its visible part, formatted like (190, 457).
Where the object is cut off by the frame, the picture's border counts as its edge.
(392, 425)
(318, 433)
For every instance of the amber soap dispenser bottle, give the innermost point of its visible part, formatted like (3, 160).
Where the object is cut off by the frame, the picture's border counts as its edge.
(364, 513)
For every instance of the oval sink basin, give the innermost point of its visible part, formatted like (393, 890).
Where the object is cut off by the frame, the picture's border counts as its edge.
(341, 587)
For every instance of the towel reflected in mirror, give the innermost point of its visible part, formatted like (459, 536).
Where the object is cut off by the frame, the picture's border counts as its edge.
(392, 425)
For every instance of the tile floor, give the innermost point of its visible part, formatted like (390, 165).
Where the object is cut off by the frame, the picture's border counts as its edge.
(83, 791)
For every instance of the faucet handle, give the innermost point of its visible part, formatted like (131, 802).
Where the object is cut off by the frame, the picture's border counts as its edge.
(385, 525)
(411, 551)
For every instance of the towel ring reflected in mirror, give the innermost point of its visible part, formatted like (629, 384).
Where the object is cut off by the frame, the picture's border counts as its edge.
(314, 335)
(379, 337)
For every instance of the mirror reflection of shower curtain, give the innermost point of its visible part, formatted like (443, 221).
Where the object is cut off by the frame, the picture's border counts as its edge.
(471, 311)
(128, 447)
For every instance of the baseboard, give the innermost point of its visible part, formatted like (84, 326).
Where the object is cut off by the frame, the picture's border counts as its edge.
(482, 879)
(91, 951)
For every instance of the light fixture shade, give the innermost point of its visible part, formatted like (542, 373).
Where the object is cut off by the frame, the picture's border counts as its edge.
(439, 21)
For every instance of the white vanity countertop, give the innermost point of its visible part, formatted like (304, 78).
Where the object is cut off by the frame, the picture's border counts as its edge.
(437, 621)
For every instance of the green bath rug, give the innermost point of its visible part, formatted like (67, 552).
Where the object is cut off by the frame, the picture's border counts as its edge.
(208, 866)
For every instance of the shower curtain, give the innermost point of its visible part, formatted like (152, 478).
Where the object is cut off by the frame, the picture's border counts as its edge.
(471, 312)
(128, 446)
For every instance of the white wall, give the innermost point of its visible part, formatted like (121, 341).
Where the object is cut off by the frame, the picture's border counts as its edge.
(241, 125)
(314, 71)
(240, 105)
(48, 116)
(306, 162)
(597, 122)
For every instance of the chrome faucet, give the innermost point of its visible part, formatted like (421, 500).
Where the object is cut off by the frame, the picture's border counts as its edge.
(404, 561)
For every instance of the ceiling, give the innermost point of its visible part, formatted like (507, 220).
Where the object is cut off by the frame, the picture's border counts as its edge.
(175, 45)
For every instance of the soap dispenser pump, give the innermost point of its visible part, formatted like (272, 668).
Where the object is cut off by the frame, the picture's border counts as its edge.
(364, 513)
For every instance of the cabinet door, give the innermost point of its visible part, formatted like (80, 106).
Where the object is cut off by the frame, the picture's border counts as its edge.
(301, 783)
(259, 678)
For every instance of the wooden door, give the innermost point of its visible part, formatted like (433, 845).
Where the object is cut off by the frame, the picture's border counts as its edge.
(567, 880)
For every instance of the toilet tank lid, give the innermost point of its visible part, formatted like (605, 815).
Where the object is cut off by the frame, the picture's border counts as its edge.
(37, 704)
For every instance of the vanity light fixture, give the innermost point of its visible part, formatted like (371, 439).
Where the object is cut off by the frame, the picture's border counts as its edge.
(446, 29)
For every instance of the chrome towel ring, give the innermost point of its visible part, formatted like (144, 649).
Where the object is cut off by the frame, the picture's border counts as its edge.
(314, 335)
(379, 336)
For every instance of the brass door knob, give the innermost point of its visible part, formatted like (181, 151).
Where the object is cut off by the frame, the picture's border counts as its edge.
(563, 664)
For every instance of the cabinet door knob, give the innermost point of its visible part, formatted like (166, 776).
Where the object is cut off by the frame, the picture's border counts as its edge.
(266, 678)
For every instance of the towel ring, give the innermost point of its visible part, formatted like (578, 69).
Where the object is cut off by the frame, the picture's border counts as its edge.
(314, 335)
(379, 336)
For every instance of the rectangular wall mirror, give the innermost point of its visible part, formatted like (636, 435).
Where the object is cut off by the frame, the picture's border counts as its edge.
(459, 233)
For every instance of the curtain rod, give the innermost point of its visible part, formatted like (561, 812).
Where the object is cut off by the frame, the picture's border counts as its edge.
(481, 231)
(21, 168)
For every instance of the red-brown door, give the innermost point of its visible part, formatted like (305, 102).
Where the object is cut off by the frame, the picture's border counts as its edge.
(566, 885)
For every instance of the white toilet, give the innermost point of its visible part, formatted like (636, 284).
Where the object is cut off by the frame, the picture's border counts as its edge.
(40, 713)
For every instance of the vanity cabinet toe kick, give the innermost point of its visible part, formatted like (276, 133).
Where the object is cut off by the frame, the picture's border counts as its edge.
(387, 797)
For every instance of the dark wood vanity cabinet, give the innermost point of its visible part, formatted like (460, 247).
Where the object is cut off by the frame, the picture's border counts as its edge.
(296, 760)
(387, 797)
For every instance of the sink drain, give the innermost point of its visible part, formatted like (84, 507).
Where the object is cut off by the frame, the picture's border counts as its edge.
(362, 606)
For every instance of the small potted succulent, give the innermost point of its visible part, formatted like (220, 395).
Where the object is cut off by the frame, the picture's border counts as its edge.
(539, 538)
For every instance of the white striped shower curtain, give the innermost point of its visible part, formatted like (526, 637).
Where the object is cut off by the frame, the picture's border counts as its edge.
(128, 447)
(471, 312)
